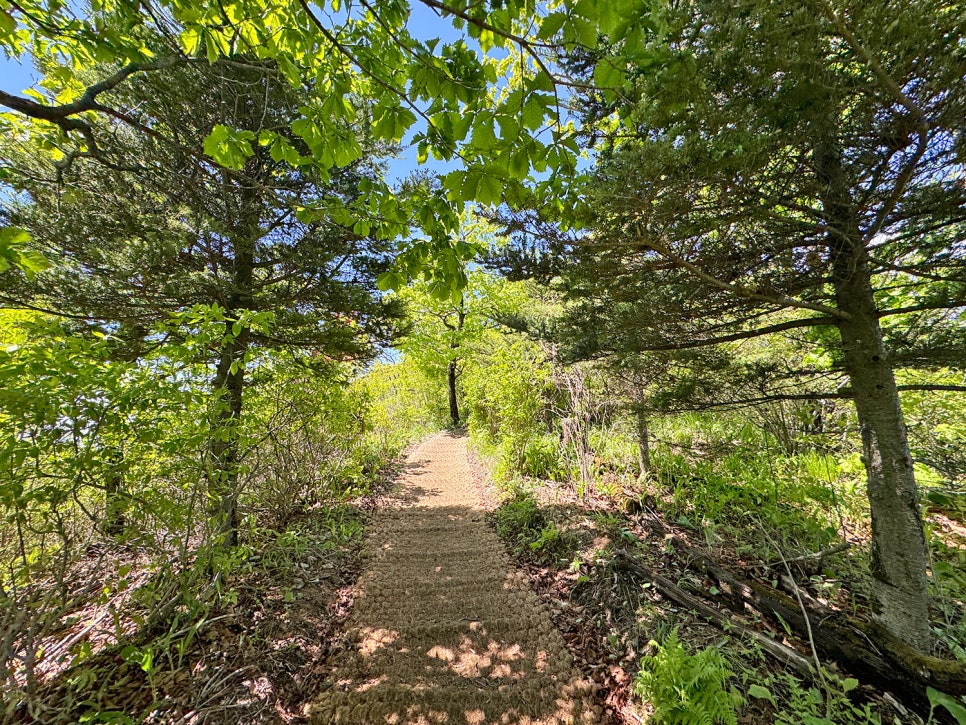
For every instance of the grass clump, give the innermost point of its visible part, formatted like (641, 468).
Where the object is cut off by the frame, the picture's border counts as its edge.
(532, 534)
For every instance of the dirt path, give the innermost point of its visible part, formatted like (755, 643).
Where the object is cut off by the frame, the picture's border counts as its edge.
(444, 631)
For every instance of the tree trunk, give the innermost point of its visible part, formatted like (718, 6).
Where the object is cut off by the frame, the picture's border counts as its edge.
(453, 368)
(898, 556)
(643, 440)
(454, 409)
(228, 389)
(114, 520)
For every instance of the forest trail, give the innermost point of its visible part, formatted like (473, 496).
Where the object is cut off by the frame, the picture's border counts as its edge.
(444, 631)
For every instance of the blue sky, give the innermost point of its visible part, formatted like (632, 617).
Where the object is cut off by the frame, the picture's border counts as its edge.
(15, 75)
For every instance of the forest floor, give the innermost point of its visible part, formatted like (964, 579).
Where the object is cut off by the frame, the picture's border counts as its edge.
(610, 616)
(444, 629)
(448, 622)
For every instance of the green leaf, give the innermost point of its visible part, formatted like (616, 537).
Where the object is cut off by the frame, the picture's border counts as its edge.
(519, 165)
(849, 684)
(483, 136)
(283, 150)
(471, 182)
(422, 152)
(586, 33)
(589, 9)
(953, 705)
(762, 693)
(384, 281)
(608, 75)
(533, 113)
(31, 262)
(211, 47)
(490, 190)
(12, 253)
(229, 147)
(13, 237)
(551, 25)
(391, 280)
(7, 22)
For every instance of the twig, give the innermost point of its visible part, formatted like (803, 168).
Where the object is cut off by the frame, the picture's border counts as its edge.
(673, 592)
(808, 624)
(815, 556)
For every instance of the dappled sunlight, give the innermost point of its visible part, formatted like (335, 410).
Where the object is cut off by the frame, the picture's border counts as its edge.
(375, 639)
(443, 631)
(482, 658)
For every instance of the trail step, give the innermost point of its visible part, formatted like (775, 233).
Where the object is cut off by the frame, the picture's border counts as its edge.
(443, 631)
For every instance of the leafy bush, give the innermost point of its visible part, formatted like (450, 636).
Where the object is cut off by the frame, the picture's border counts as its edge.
(541, 458)
(687, 689)
(526, 527)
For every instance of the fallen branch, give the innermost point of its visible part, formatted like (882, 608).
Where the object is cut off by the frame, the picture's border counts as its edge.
(668, 589)
(816, 556)
(863, 647)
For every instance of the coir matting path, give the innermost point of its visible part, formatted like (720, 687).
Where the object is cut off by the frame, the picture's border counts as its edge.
(444, 630)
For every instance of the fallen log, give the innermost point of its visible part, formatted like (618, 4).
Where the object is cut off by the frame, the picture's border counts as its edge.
(672, 591)
(862, 646)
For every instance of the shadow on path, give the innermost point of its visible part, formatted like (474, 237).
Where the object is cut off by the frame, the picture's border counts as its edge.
(444, 631)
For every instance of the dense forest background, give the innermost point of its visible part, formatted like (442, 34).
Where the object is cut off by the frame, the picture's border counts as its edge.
(691, 275)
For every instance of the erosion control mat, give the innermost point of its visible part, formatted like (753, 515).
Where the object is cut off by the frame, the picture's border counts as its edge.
(443, 630)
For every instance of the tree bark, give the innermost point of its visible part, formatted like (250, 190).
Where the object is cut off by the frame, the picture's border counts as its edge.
(643, 440)
(114, 519)
(898, 556)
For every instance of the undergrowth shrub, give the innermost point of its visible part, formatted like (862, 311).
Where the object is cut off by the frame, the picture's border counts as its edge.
(610, 586)
(687, 689)
(505, 394)
(531, 532)
(800, 704)
(542, 459)
(734, 476)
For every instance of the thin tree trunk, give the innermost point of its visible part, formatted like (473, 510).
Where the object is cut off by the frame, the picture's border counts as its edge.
(228, 389)
(454, 409)
(114, 520)
(453, 368)
(643, 440)
(898, 556)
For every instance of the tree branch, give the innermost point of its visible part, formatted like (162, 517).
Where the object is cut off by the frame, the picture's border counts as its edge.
(738, 290)
(87, 101)
(746, 334)
(922, 126)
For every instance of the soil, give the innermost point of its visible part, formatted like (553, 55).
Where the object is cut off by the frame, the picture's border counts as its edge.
(444, 629)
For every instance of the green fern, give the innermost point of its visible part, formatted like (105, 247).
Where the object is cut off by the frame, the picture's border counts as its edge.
(687, 689)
